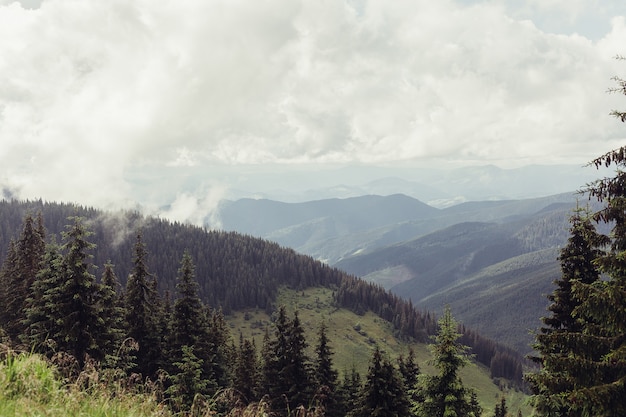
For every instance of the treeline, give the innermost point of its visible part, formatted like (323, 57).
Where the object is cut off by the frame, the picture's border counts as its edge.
(235, 271)
(360, 296)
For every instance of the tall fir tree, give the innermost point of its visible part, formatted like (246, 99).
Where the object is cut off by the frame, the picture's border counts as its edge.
(350, 393)
(18, 273)
(297, 372)
(245, 375)
(383, 394)
(112, 312)
(603, 306)
(591, 380)
(78, 308)
(188, 310)
(444, 393)
(69, 295)
(565, 338)
(286, 369)
(326, 376)
(41, 324)
(410, 371)
(190, 327)
(142, 313)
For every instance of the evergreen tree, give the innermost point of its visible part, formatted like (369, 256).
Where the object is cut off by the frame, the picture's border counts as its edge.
(591, 379)
(383, 393)
(501, 409)
(142, 313)
(286, 371)
(245, 378)
(410, 371)
(18, 273)
(350, 391)
(187, 382)
(63, 302)
(188, 309)
(601, 385)
(444, 393)
(8, 272)
(77, 297)
(218, 347)
(268, 368)
(297, 372)
(42, 327)
(325, 375)
(112, 314)
(555, 343)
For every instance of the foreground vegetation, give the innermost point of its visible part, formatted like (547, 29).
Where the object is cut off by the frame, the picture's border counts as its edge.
(31, 385)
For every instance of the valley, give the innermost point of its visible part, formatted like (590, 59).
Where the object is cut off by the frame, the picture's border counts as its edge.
(493, 262)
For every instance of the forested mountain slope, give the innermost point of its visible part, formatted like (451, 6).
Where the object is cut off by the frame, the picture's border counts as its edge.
(494, 274)
(234, 271)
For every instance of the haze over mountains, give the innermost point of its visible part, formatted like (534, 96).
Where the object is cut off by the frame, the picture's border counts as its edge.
(193, 193)
(492, 261)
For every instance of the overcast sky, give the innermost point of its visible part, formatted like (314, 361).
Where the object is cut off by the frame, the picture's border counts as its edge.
(93, 92)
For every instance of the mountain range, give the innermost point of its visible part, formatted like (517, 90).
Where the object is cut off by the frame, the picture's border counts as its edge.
(493, 262)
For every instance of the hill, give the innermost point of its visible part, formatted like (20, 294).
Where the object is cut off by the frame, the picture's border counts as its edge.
(494, 275)
(353, 338)
(432, 256)
(235, 271)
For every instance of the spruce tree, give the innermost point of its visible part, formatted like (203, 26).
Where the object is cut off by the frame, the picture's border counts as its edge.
(586, 374)
(501, 409)
(325, 375)
(112, 313)
(564, 339)
(297, 372)
(602, 370)
(18, 274)
(188, 309)
(41, 324)
(218, 347)
(142, 313)
(383, 394)
(444, 393)
(79, 294)
(350, 393)
(286, 372)
(188, 385)
(410, 371)
(245, 376)
(63, 304)
(8, 272)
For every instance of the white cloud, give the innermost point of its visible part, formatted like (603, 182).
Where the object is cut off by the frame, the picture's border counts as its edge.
(92, 90)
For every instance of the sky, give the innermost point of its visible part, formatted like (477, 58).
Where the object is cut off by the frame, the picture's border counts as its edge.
(119, 102)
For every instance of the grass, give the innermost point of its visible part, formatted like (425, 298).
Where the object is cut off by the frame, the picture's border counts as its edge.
(353, 339)
(31, 386)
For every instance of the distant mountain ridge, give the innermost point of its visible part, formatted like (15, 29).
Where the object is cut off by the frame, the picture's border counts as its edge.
(433, 256)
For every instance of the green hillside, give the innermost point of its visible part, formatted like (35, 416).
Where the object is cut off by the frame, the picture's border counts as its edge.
(353, 338)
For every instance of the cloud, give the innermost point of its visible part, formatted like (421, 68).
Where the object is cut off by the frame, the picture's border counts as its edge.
(199, 207)
(94, 90)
